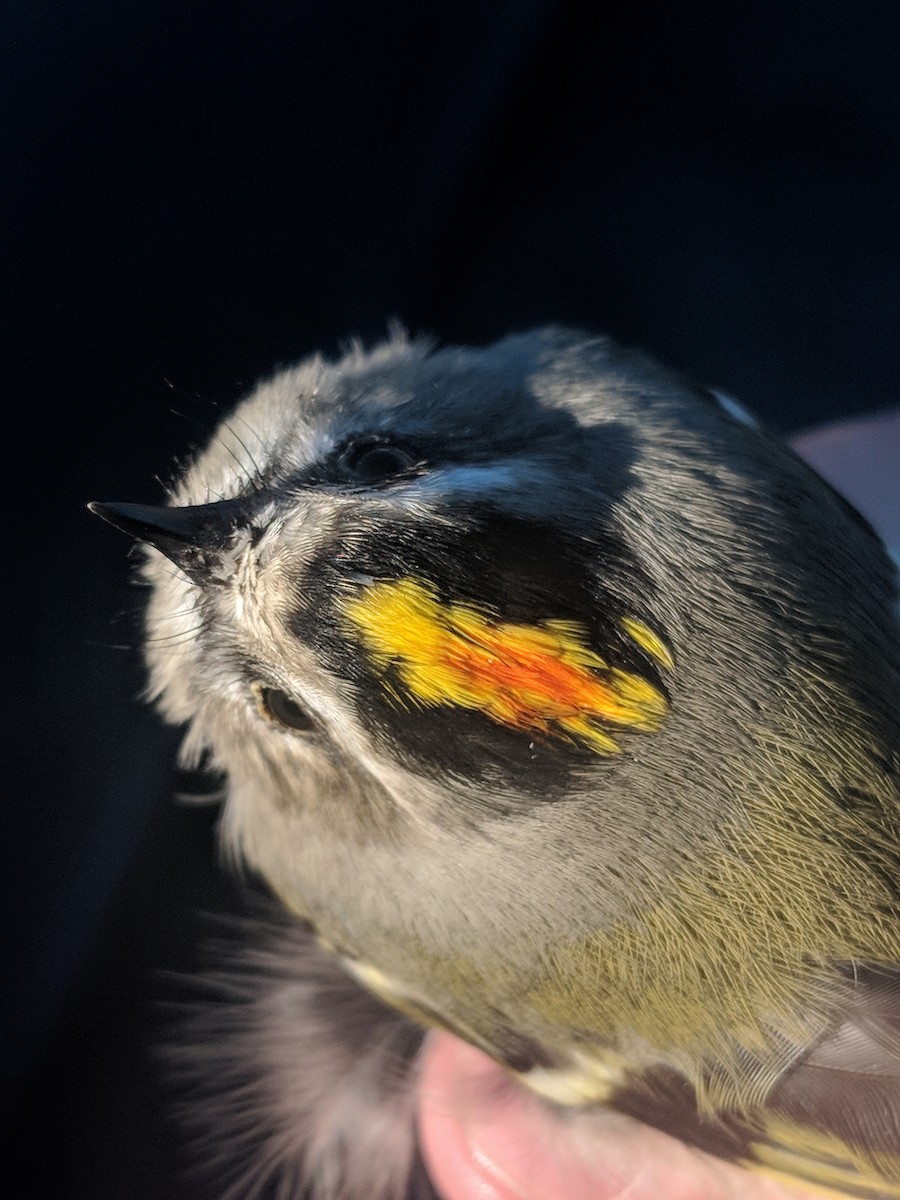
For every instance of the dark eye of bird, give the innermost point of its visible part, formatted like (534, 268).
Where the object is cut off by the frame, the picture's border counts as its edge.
(372, 460)
(278, 706)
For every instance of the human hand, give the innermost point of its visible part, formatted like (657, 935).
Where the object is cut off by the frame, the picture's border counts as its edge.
(487, 1138)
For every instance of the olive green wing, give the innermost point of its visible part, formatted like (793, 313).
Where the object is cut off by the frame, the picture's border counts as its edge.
(832, 1121)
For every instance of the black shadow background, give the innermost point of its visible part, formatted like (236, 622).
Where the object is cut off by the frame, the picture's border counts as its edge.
(198, 192)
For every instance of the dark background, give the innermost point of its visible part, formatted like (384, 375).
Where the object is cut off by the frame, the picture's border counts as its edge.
(196, 193)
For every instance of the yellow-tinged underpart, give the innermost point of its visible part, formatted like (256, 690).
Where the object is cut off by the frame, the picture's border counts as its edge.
(543, 678)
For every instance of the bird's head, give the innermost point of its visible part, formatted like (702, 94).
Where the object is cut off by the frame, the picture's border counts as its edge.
(540, 624)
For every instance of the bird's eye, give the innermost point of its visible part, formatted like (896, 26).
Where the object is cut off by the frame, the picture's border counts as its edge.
(278, 706)
(373, 460)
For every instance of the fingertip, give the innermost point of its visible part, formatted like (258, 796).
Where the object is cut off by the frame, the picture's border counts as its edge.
(457, 1088)
(484, 1137)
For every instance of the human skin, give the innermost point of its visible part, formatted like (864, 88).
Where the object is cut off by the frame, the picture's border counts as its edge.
(486, 1138)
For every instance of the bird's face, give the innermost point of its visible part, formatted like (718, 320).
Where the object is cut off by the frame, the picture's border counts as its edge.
(413, 569)
(493, 645)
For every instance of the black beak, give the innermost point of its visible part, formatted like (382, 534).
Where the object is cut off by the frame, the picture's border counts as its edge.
(193, 537)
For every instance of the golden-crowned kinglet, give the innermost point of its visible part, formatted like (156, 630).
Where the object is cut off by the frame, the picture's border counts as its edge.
(562, 702)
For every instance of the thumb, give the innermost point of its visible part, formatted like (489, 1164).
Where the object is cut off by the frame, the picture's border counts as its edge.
(486, 1138)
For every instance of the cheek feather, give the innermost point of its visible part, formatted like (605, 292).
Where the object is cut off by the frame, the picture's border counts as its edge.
(536, 678)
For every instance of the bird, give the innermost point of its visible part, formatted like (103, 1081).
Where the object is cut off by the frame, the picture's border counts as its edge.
(558, 702)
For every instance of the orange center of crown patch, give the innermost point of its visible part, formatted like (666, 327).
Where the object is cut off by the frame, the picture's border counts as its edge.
(541, 678)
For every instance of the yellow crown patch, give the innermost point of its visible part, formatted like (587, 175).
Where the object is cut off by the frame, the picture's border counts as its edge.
(541, 678)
